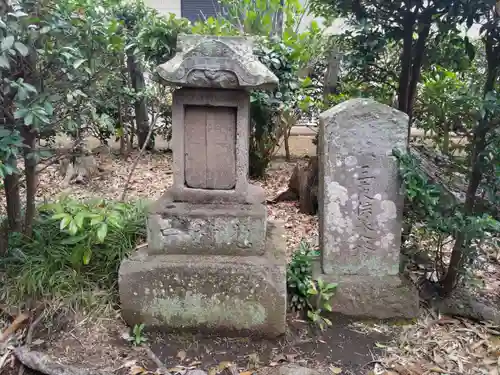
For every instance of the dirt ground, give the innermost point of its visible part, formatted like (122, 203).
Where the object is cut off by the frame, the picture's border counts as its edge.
(101, 344)
(432, 345)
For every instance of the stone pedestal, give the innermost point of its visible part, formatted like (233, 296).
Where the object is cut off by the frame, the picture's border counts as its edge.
(213, 262)
(228, 294)
(361, 208)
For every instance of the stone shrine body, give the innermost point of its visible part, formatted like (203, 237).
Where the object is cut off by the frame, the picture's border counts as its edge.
(213, 261)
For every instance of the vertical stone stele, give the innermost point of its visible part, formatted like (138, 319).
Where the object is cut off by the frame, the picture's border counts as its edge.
(361, 209)
(213, 262)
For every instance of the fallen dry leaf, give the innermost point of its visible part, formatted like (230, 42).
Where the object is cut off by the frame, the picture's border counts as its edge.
(335, 370)
(442, 346)
(181, 355)
(20, 320)
(253, 361)
(137, 370)
(179, 370)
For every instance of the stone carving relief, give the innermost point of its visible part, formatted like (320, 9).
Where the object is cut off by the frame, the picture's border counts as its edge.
(220, 62)
(212, 78)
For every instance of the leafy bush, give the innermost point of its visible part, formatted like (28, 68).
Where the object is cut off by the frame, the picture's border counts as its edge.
(447, 103)
(441, 216)
(74, 253)
(299, 275)
(287, 53)
(305, 294)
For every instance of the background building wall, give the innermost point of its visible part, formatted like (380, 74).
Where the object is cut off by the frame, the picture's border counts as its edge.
(166, 6)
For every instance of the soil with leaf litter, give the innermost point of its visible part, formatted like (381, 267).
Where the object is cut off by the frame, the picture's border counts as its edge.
(103, 344)
(153, 176)
(431, 345)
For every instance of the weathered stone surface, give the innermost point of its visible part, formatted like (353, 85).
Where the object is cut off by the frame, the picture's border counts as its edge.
(190, 228)
(209, 265)
(211, 155)
(217, 62)
(361, 204)
(213, 293)
(376, 297)
(360, 192)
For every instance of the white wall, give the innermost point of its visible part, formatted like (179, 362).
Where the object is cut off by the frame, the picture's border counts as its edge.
(166, 6)
(174, 6)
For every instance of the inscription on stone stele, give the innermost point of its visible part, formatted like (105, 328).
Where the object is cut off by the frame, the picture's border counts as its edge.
(361, 207)
(365, 225)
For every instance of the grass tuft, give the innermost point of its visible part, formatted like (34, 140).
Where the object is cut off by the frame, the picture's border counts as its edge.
(48, 267)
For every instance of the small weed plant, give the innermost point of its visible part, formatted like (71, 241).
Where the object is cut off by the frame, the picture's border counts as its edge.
(321, 293)
(137, 337)
(74, 253)
(305, 294)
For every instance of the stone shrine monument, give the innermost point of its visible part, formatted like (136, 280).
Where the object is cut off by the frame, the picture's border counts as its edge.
(361, 209)
(213, 262)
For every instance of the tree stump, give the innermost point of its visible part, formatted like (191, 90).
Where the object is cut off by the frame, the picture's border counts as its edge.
(79, 167)
(303, 187)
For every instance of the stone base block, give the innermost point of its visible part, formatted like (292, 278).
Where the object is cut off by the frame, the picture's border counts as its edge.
(252, 194)
(387, 297)
(215, 228)
(226, 294)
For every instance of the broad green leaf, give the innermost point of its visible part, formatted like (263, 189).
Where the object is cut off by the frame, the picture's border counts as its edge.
(21, 48)
(96, 220)
(86, 256)
(78, 63)
(65, 222)
(28, 120)
(45, 29)
(102, 232)
(79, 218)
(59, 216)
(48, 108)
(7, 43)
(72, 228)
(73, 240)
(4, 62)
(19, 14)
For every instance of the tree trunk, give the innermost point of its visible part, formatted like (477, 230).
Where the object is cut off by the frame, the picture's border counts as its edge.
(287, 145)
(332, 73)
(124, 143)
(406, 57)
(4, 237)
(11, 186)
(29, 140)
(277, 29)
(461, 239)
(141, 109)
(446, 138)
(479, 145)
(418, 56)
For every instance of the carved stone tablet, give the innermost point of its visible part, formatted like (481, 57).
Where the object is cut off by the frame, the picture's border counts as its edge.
(361, 197)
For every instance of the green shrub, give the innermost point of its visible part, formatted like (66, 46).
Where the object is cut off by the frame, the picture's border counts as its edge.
(298, 276)
(74, 253)
(305, 294)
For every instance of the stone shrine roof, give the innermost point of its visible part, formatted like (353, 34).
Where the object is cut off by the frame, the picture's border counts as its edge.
(216, 62)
